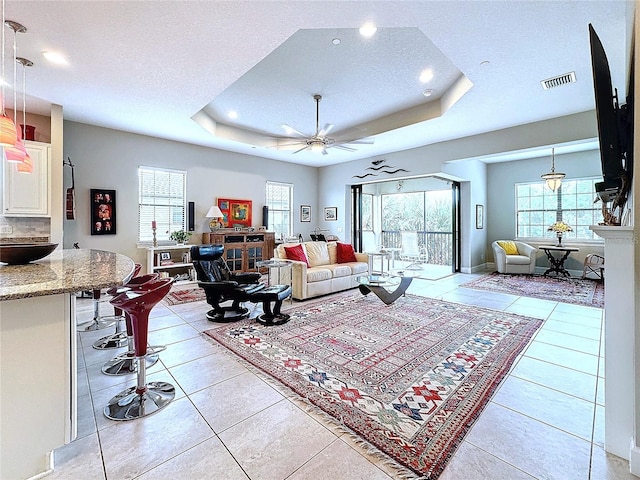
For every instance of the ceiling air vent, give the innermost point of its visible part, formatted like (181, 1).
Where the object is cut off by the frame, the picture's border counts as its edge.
(559, 80)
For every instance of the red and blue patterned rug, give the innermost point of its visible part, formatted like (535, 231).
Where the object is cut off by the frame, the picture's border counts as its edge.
(409, 378)
(558, 289)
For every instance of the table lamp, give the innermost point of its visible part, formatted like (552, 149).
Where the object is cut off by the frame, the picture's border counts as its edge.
(214, 214)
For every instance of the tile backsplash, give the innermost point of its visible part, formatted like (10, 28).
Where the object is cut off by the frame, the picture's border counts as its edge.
(25, 227)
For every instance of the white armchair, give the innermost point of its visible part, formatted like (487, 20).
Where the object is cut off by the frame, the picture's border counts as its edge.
(522, 262)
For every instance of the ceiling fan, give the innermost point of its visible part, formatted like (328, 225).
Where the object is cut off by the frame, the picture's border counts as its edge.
(319, 142)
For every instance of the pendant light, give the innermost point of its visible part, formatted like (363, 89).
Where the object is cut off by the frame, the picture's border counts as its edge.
(8, 132)
(553, 178)
(27, 165)
(15, 153)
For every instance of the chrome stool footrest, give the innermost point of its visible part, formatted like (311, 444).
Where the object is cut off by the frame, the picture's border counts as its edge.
(125, 363)
(116, 340)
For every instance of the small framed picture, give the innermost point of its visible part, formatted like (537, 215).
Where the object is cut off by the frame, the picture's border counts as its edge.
(479, 217)
(165, 255)
(237, 229)
(251, 229)
(331, 214)
(305, 213)
(262, 228)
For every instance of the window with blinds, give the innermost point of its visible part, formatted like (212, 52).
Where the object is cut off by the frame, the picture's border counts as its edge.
(161, 198)
(279, 197)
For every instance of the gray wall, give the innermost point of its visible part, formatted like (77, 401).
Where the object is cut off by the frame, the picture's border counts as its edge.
(109, 159)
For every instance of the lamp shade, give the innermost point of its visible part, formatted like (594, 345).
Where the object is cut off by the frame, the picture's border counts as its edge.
(8, 132)
(26, 166)
(16, 153)
(214, 212)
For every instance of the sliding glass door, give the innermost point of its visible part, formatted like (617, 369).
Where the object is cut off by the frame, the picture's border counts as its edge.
(418, 218)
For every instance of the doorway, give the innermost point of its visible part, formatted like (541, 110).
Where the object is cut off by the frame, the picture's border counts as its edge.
(416, 219)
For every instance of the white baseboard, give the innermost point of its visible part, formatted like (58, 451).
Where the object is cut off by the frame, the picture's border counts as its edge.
(634, 459)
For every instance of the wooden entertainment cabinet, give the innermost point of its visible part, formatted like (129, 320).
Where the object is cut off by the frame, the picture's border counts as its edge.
(242, 249)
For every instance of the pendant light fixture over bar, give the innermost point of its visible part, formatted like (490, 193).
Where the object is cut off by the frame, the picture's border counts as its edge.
(8, 132)
(553, 178)
(27, 165)
(15, 153)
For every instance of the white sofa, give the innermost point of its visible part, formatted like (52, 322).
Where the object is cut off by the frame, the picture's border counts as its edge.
(324, 274)
(523, 262)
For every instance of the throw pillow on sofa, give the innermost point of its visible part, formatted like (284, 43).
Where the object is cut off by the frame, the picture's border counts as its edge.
(317, 253)
(296, 253)
(346, 253)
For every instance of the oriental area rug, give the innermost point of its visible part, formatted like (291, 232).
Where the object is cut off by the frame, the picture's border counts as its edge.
(558, 289)
(176, 297)
(409, 379)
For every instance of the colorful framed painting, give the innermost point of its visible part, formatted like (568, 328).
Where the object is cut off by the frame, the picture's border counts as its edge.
(236, 213)
(103, 212)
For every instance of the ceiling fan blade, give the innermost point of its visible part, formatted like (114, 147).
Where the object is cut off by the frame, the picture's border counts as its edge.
(301, 149)
(290, 131)
(294, 142)
(357, 142)
(326, 129)
(342, 147)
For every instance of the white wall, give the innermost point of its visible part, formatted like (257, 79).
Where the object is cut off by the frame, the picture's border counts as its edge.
(109, 159)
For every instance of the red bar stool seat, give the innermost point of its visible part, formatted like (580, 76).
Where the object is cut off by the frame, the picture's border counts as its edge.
(144, 398)
(125, 363)
(119, 337)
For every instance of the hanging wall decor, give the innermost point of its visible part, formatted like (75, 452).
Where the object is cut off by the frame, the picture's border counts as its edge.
(236, 213)
(103, 212)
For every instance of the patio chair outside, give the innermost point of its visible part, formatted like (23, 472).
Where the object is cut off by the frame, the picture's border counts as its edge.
(410, 250)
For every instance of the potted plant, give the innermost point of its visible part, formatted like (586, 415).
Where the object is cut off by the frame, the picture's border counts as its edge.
(180, 236)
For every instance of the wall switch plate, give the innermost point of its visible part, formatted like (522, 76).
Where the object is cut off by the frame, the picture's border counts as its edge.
(6, 229)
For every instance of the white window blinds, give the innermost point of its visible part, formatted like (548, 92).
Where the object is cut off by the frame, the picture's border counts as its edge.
(162, 198)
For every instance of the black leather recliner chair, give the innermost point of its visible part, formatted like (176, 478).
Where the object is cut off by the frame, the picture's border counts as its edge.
(221, 285)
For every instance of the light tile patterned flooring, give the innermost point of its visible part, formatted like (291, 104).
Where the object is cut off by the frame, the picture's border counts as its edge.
(545, 421)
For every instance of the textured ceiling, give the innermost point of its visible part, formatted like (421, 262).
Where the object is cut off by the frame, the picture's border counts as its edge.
(150, 67)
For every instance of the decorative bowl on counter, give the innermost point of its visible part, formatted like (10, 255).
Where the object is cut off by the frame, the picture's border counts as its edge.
(21, 253)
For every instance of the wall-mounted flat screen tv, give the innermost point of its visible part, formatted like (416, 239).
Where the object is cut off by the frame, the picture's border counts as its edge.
(615, 128)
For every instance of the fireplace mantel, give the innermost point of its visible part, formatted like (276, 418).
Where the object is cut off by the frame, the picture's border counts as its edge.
(619, 341)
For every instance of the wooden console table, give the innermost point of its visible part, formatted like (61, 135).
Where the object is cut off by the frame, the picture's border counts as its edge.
(557, 263)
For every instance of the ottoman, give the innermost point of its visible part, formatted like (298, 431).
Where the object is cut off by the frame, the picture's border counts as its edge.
(276, 294)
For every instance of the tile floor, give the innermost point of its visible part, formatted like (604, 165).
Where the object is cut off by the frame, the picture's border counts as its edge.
(545, 421)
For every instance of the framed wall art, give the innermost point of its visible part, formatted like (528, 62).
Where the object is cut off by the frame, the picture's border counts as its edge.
(236, 213)
(103, 212)
(305, 213)
(331, 214)
(479, 217)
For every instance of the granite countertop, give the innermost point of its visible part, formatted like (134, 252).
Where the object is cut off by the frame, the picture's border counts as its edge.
(65, 271)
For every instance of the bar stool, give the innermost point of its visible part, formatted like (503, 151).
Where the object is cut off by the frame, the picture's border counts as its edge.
(125, 363)
(119, 337)
(144, 398)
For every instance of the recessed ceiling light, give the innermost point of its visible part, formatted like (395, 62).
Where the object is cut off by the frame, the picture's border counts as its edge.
(426, 75)
(55, 57)
(232, 114)
(427, 93)
(336, 41)
(368, 30)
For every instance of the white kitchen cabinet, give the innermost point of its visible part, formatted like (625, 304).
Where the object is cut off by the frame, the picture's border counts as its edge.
(28, 194)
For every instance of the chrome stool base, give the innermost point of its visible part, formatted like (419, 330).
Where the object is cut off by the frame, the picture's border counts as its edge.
(129, 405)
(125, 364)
(116, 340)
(98, 323)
